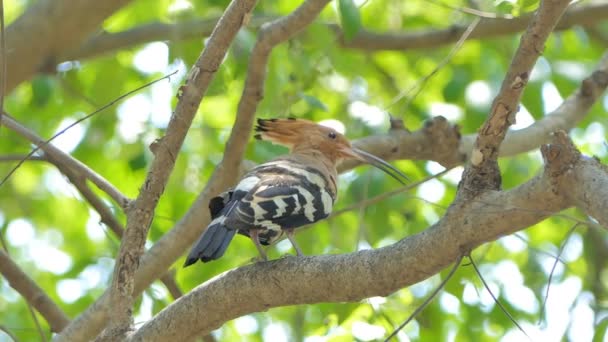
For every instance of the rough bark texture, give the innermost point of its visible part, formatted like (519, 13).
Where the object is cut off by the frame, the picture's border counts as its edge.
(47, 29)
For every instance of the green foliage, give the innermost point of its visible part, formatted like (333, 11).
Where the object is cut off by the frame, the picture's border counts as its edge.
(311, 77)
(349, 18)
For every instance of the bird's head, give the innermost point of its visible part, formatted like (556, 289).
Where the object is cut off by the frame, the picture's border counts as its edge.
(301, 136)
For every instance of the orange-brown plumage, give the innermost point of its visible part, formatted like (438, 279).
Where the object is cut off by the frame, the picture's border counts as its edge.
(305, 137)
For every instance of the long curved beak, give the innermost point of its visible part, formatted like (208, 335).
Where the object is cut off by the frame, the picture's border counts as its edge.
(377, 162)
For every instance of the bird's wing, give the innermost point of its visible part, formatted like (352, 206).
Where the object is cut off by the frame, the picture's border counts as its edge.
(280, 197)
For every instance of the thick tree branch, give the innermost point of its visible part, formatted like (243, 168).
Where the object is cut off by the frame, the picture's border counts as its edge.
(47, 29)
(482, 173)
(352, 277)
(586, 186)
(166, 149)
(34, 295)
(103, 43)
(59, 157)
(583, 14)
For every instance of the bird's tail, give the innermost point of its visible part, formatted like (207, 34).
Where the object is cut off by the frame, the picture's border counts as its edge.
(215, 239)
(212, 244)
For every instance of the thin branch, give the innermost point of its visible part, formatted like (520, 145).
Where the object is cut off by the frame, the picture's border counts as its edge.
(20, 157)
(472, 11)
(165, 150)
(427, 301)
(37, 324)
(419, 85)
(383, 196)
(32, 293)
(559, 252)
(574, 108)
(496, 299)
(440, 141)
(586, 14)
(105, 42)
(482, 173)
(8, 332)
(59, 156)
(29, 305)
(96, 179)
(109, 219)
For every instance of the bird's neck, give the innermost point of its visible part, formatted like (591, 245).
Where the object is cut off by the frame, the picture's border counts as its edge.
(316, 157)
(320, 161)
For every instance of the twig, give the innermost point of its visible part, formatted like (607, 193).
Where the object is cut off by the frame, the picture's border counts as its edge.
(109, 219)
(382, 197)
(472, 11)
(427, 301)
(37, 324)
(494, 297)
(59, 156)
(92, 175)
(559, 252)
(538, 250)
(32, 293)
(8, 332)
(419, 85)
(20, 157)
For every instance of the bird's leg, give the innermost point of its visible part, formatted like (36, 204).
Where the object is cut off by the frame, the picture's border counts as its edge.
(289, 233)
(253, 233)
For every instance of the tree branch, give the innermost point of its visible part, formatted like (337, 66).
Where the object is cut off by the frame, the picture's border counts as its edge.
(103, 43)
(482, 173)
(165, 150)
(172, 245)
(47, 28)
(34, 295)
(351, 277)
(440, 141)
(488, 28)
(61, 158)
(586, 186)
(565, 117)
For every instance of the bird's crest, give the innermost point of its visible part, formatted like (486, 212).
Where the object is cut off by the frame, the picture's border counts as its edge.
(303, 136)
(286, 132)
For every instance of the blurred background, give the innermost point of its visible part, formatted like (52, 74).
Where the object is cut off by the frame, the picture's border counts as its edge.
(57, 238)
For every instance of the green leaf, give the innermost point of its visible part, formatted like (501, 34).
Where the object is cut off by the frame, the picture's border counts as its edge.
(349, 18)
(313, 102)
(42, 89)
(138, 162)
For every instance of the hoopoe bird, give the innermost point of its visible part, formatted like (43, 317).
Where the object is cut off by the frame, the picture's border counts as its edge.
(283, 194)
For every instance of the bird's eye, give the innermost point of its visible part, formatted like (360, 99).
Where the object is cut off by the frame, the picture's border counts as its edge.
(332, 135)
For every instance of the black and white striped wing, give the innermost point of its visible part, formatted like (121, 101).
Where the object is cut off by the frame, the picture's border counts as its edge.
(280, 202)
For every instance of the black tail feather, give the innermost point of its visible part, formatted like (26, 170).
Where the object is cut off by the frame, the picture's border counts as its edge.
(211, 245)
